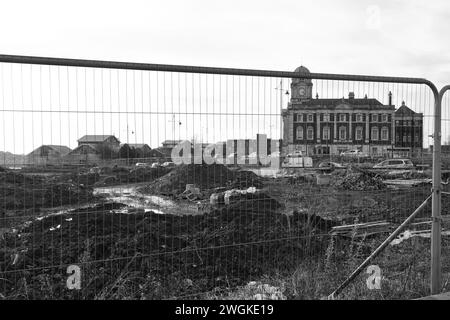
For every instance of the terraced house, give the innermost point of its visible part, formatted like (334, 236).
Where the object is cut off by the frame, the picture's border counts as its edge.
(331, 126)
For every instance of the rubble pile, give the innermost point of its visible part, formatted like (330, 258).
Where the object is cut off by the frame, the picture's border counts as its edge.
(205, 177)
(227, 246)
(359, 181)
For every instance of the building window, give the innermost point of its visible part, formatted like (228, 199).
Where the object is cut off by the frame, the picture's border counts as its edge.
(358, 133)
(374, 134)
(310, 133)
(299, 133)
(326, 117)
(299, 117)
(310, 118)
(342, 133)
(397, 137)
(385, 118)
(384, 134)
(374, 118)
(326, 133)
(359, 117)
(397, 123)
(342, 117)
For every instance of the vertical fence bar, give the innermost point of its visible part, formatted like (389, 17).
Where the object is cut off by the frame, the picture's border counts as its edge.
(436, 201)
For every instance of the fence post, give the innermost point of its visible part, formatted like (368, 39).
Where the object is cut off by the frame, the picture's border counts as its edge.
(436, 200)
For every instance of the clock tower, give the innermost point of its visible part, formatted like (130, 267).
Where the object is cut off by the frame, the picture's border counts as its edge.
(301, 89)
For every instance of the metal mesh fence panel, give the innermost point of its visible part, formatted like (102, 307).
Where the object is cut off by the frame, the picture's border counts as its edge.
(149, 184)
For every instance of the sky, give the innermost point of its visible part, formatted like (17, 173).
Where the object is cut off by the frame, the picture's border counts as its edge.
(387, 37)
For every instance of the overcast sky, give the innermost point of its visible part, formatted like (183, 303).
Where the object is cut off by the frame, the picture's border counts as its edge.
(387, 37)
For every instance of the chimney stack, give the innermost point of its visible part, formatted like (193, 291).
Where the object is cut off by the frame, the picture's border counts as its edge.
(351, 95)
(390, 98)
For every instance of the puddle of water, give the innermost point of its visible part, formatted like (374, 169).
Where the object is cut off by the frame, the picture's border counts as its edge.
(129, 196)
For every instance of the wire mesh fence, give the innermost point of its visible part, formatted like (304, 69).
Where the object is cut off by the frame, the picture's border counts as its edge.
(129, 183)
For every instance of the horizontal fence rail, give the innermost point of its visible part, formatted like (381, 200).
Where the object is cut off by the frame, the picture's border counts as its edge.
(145, 181)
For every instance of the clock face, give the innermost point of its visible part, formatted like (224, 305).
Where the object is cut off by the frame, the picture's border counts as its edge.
(301, 92)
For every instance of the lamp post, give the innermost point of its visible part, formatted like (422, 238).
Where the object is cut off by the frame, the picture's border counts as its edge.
(280, 88)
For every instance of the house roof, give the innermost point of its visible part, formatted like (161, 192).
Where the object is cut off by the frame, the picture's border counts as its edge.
(92, 148)
(60, 149)
(171, 142)
(163, 150)
(137, 145)
(95, 138)
(44, 150)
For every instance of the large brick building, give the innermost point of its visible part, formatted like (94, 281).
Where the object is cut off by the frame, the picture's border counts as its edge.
(324, 126)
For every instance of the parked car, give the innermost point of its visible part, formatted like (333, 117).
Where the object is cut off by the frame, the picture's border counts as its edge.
(395, 164)
(330, 164)
(354, 153)
(156, 165)
(168, 164)
(141, 164)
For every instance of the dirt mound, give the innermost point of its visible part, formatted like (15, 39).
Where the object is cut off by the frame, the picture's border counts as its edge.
(202, 176)
(19, 192)
(359, 181)
(121, 253)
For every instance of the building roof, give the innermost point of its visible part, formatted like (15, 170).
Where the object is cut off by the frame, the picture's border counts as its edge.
(137, 145)
(163, 150)
(332, 103)
(405, 111)
(95, 138)
(302, 69)
(92, 148)
(171, 142)
(44, 150)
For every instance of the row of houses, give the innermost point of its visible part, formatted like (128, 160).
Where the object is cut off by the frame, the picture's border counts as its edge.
(95, 148)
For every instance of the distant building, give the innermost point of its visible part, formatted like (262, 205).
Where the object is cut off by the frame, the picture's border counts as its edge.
(331, 126)
(134, 150)
(105, 140)
(84, 153)
(170, 143)
(92, 148)
(408, 131)
(47, 154)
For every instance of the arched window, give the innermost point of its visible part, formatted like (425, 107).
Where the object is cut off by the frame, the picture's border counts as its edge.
(342, 133)
(299, 133)
(384, 133)
(310, 133)
(374, 134)
(326, 133)
(359, 133)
